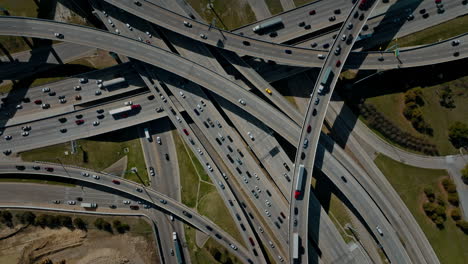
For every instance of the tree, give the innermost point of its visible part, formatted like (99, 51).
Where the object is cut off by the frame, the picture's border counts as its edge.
(464, 173)
(65, 221)
(107, 226)
(98, 223)
(455, 214)
(27, 218)
(79, 223)
(453, 199)
(458, 134)
(6, 217)
(429, 208)
(429, 193)
(440, 211)
(463, 225)
(41, 221)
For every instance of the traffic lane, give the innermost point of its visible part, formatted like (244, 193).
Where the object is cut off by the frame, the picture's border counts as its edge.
(47, 131)
(130, 188)
(311, 130)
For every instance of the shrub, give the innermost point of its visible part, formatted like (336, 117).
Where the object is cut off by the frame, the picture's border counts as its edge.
(464, 173)
(446, 182)
(98, 223)
(452, 188)
(429, 191)
(458, 134)
(455, 214)
(463, 225)
(453, 199)
(79, 223)
(26, 218)
(429, 208)
(6, 218)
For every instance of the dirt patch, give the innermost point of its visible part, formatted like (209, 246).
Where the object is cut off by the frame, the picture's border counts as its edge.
(76, 247)
(119, 167)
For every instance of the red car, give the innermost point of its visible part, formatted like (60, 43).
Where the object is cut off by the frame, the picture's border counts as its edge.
(136, 106)
(116, 181)
(309, 128)
(49, 169)
(134, 207)
(251, 242)
(312, 12)
(338, 63)
(79, 121)
(186, 132)
(38, 102)
(438, 1)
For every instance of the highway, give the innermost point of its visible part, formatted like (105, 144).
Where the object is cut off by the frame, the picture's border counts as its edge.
(152, 197)
(311, 130)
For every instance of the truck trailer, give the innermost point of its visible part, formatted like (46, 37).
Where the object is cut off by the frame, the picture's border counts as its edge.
(268, 24)
(88, 205)
(178, 254)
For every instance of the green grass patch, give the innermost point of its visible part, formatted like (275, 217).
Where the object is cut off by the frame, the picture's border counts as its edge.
(229, 14)
(211, 205)
(205, 255)
(97, 153)
(434, 34)
(449, 243)
(189, 180)
(274, 6)
(303, 2)
(23, 180)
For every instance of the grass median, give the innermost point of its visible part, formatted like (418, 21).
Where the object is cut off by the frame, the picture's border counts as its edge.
(449, 243)
(98, 153)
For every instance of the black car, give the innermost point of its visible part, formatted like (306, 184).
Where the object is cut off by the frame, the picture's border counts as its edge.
(52, 93)
(167, 156)
(79, 199)
(100, 111)
(20, 167)
(62, 120)
(63, 130)
(79, 116)
(112, 206)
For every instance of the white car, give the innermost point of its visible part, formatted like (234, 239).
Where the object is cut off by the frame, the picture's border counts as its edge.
(242, 102)
(117, 31)
(379, 230)
(158, 139)
(268, 203)
(209, 167)
(200, 151)
(245, 180)
(25, 134)
(178, 119)
(97, 92)
(96, 123)
(250, 135)
(171, 217)
(267, 213)
(83, 80)
(77, 88)
(149, 34)
(233, 246)
(126, 202)
(96, 177)
(45, 89)
(84, 174)
(71, 202)
(19, 106)
(182, 94)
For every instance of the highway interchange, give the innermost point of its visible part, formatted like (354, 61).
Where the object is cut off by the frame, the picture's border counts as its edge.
(188, 85)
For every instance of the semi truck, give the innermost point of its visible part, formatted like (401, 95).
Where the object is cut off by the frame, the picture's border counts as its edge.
(180, 260)
(88, 205)
(112, 82)
(124, 109)
(268, 24)
(327, 77)
(300, 179)
(295, 247)
(147, 134)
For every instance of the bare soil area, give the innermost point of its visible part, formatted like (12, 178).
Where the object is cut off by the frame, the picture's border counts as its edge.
(35, 244)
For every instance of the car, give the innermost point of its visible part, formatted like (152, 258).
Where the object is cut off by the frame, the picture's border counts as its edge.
(312, 12)
(79, 116)
(178, 119)
(271, 244)
(71, 202)
(242, 101)
(25, 133)
(96, 123)
(26, 128)
(78, 97)
(19, 106)
(245, 180)
(425, 15)
(185, 132)
(332, 18)
(233, 246)
(210, 122)
(337, 50)
(152, 173)
(314, 44)
(163, 98)
(209, 167)
(83, 80)
(116, 181)
(280, 258)
(55, 201)
(162, 201)
(317, 101)
(138, 3)
(438, 1)
(98, 92)
(36, 167)
(167, 156)
(203, 36)
(326, 45)
(268, 203)
(127, 103)
(343, 178)
(139, 190)
(126, 202)
(79, 199)
(343, 37)
(455, 42)
(45, 89)
(158, 140)
(410, 17)
(199, 151)
(8, 137)
(246, 43)
(58, 35)
(267, 213)
(20, 167)
(187, 214)
(250, 135)
(287, 51)
(268, 91)
(273, 34)
(84, 174)
(337, 11)
(49, 169)
(96, 177)
(379, 230)
(117, 31)
(134, 207)
(321, 56)
(45, 106)
(62, 101)
(187, 24)
(301, 24)
(221, 185)
(309, 128)
(79, 121)
(308, 26)
(100, 116)
(422, 11)
(112, 206)
(282, 215)
(338, 63)
(52, 93)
